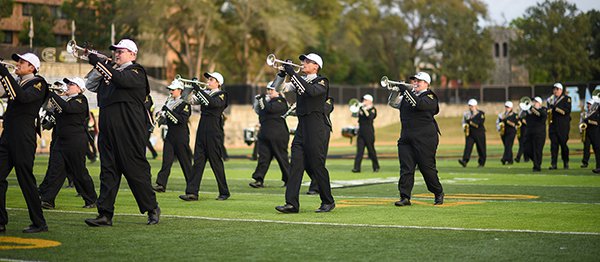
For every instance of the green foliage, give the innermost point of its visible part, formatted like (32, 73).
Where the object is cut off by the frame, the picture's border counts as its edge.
(553, 42)
(594, 18)
(43, 21)
(6, 7)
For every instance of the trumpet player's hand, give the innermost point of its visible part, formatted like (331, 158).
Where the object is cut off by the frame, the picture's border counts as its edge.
(4, 70)
(289, 70)
(281, 73)
(93, 59)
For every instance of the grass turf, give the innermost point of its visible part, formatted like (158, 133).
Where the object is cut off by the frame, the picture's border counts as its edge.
(558, 222)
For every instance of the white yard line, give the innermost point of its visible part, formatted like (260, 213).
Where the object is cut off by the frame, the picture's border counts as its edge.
(340, 224)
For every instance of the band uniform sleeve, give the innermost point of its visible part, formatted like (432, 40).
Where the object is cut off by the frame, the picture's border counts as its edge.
(218, 99)
(36, 92)
(423, 102)
(478, 119)
(73, 106)
(131, 77)
(564, 108)
(276, 106)
(181, 113)
(310, 89)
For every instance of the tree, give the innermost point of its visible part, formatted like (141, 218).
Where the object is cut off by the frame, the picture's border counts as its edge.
(553, 42)
(594, 49)
(43, 21)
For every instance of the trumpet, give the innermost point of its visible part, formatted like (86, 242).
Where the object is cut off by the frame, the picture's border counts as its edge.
(10, 66)
(291, 111)
(189, 82)
(389, 84)
(525, 103)
(272, 61)
(82, 52)
(355, 106)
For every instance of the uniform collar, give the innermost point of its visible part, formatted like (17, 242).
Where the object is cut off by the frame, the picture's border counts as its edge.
(123, 66)
(311, 77)
(27, 77)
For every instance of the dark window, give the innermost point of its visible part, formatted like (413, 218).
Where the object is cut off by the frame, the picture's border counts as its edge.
(504, 49)
(27, 9)
(496, 50)
(7, 37)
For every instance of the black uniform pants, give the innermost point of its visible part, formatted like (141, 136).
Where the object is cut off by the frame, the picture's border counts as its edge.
(522, 149)
(417, 148)
(508, 140)
(68, 158)
(593, 135)
(534, 147)
(91, 149)
(208, 147)
(369, 142)
(559, 138)
(175, 147)
(309, 152)
(586, 149)
(479, 141)
(17, 150)
(269, 148)
(122, 146)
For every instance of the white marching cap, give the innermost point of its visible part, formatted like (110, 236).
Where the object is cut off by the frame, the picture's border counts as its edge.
(176, 84)
(215, 75)
(29, 57)
(422, 76)
(270, 85)
(538, 99)
(472, 102)
(313, 57)
(508, 104)
(590, 101)
(126, 44)
(558, 85)
(78, 81)
(368, 97)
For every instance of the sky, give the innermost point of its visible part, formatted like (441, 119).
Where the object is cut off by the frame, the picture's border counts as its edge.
(503, 11)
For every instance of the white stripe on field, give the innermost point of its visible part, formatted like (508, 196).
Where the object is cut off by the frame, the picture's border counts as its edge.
(344, 224)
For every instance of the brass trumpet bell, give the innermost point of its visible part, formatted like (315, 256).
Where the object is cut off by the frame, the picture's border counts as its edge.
(272, 61)
(525, 103)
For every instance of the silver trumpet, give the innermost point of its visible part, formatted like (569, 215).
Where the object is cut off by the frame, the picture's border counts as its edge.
(82, 52)
(389, 84)
(272, 61)
(10, 66)
(189, 82)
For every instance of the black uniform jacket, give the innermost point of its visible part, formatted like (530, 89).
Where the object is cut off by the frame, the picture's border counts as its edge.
(510, 122)
(536, 120)
(211, 120)
(272, 125)
(25, 100)
(476, 123)
(177, 119)
(416, 112)
(561, 111)
(71, 117)
(365, 121)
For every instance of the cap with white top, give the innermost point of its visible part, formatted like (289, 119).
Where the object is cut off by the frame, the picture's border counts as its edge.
(313, 57)
(508, 104)
(472, 102)
(77, 81)
(215, 75)
(538, 99)
(558, 85)
(176, 84)
(125, 44)
(368, 97)
(422, 76)
(29, 57)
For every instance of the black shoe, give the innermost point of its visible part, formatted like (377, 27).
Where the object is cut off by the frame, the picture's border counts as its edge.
(47, 205)
(100, 221)
(526, 160)
(2, 228)
(287, 209)
(503, 162)
(376, 170)
(566, 166)
(537, 169)
(222, 197)
(159, 188)
(402, 202)
(552, 167)
(517, 160)
(312, 192)
(154, 216)
(354, 170)
(596, 171)
(325, 208)
(480, 166)
(189, 197)
(154, 156)
(35, 229)
(584, 165)
(92, 205)
(509, 163)
(439, 199)
(462, 163)
(257, 184)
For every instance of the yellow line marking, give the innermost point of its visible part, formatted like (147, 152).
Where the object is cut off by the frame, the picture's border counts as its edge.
(390, 201)
(7, 243)
(483, 196)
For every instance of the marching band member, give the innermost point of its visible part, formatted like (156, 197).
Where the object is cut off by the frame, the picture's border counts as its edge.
(591, 132)
(175, 114)
(583, 131)
(209, 137)
(18, 142)
(273, 135)
(309, 147)
(313, 188)
(69, 144)
(521, 131)
(472, 122)
(123, 121)
(366, 134)
(559, 119)
(536, 133)
(506, 125)
(418, 138)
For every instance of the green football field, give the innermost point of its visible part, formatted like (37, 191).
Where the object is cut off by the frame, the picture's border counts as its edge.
(492, 213)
